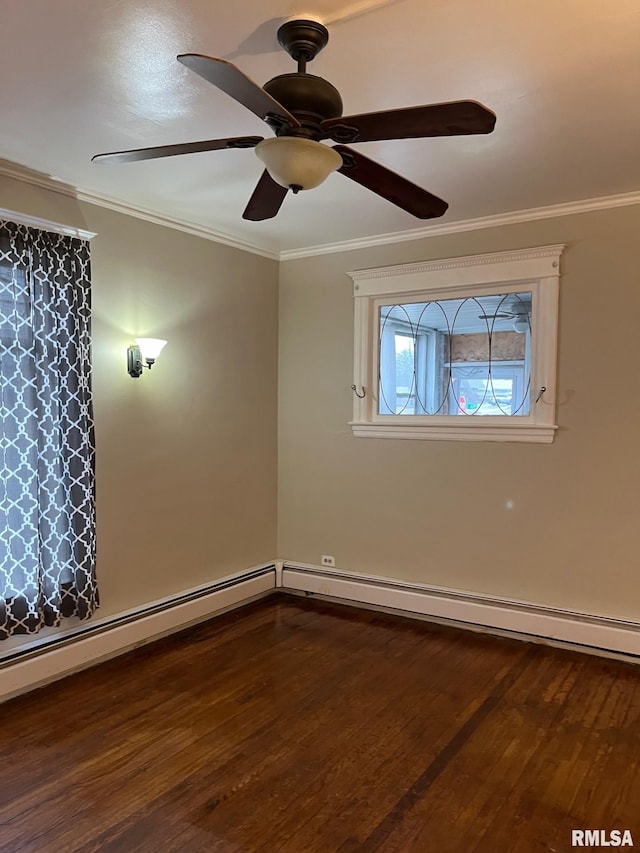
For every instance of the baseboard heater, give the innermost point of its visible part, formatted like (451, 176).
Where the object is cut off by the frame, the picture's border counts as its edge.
(45, 660)
(589, 632)
(42, 661)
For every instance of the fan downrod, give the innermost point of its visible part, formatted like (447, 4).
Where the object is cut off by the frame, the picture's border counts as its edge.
(303, 40)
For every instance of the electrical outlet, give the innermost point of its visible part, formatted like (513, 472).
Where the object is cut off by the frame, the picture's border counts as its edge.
(328, 560)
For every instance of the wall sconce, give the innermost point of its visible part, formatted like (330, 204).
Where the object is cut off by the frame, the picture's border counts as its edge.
(144, 348)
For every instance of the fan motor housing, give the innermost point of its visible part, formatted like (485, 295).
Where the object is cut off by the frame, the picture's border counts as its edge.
(309, 98)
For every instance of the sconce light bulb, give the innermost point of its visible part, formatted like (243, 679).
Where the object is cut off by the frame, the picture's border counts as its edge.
(150, 348)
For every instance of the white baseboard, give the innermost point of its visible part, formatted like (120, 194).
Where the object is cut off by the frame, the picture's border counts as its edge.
(585, 631)
(40, 661)
(37, 663)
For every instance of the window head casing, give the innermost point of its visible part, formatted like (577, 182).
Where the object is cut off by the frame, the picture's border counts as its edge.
(458, 349)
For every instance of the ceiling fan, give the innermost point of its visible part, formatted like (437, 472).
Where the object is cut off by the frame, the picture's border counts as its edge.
(303, 109)
(518, 310)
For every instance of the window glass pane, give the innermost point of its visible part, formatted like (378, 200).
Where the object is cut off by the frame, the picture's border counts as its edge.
(476, 391)
(404, 374)
(460, 357)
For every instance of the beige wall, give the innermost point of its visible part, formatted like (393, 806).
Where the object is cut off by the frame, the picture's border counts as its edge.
(437, 512)
(186, 455)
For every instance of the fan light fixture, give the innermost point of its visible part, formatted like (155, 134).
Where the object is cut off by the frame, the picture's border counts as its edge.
(144, 348)
(302, 110)
(297, 164)
(521, 324)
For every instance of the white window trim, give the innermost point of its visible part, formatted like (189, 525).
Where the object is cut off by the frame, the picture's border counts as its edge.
(536, 270)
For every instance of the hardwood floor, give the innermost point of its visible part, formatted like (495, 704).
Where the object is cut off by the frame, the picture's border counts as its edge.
(297, 726)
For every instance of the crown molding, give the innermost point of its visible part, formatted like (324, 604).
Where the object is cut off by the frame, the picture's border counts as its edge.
(494, 221)
(28, 176)
(177, 224)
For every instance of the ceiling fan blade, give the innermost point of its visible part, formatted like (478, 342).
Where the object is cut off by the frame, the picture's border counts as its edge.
(266, 200)
(172, 150)
(237, 85)
(451, 119)
(389, 185)
(496, 316)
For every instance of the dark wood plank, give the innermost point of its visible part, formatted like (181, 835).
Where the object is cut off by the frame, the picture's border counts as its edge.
(298, 726)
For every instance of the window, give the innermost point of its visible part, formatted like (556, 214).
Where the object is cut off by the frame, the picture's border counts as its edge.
(461, 349)
(47, 516)
(468, 357)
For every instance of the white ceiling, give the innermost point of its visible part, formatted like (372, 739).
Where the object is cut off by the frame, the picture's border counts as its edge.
(80, 77)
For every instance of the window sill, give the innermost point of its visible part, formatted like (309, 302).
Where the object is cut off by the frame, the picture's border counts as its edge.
(529, 433)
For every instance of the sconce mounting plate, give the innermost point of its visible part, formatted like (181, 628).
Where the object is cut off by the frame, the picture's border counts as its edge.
(134, 361)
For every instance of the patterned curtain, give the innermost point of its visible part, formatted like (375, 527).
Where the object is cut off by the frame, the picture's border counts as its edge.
(47, 507)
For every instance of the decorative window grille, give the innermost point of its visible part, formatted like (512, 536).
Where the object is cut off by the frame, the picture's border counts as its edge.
(463, 348)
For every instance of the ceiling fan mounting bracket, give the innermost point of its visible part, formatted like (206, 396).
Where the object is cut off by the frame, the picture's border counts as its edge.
(303, 39)
(277, 123)
(244, 142)
(348, 161)
(344, 134)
